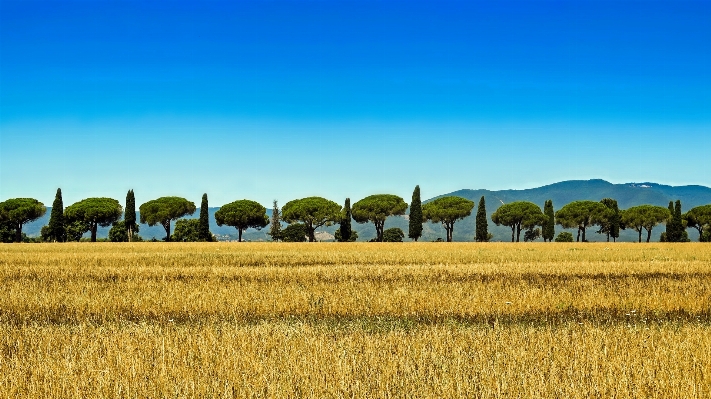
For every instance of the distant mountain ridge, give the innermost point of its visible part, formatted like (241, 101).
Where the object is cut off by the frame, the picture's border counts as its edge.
(627, 195)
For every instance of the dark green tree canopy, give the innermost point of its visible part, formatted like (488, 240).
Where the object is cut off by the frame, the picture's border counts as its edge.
(204, 230)
(164, 210)
(129, 215)
(313, 212)
(275, 223)
(377, 208)
(415, 223)
(675, 225)
(18, 211)
(344, 229)
(119, 232)
(447, 210)
(610, 220)
(644, 217)
(295, 232)
(393, 234)
(94, 212)
(700, 219)
(56, 230)
(564, 236)
(187, 230)
(548, 231)
(581, 214)
(242, 215)
(519, 215)
(482, 225)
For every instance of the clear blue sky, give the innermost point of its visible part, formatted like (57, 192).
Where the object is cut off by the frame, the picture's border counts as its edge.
(285, 99)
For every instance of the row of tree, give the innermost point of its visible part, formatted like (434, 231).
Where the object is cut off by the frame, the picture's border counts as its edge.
(306, 215)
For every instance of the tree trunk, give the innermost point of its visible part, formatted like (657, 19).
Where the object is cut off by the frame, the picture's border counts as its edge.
(449, 229)
(608, 237)
(513, 232)
(578, 238)
(166, 226)
(239, 235)
(18, 233)
(130, 233)
(379, 231)
(640, 234)
(311, 231)
(518, 232)
(649, 234)
(94, 227)
(583, 233)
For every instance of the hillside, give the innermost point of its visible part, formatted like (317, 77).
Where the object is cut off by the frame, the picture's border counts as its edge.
(561, 193)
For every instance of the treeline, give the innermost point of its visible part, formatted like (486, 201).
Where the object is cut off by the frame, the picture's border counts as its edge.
(304, 216)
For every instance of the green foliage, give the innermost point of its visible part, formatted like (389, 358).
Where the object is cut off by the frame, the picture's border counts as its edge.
(187, 230)
(313, 212)
(165, 209)
(447, 210)
(295, 232)
(518, 215)
(18, 211)
(76, 229)
(393, 234)
(549, 224)
(416, 219)
(644, 217)
(353, 237)
(377, 208)
(119, 232)
(564, 236)
(275, 228)
(93, 212)
(705, 237)
(609, 221)
(344, 229)
(581, 214)
(675, 225)
(242, 215)
(482, 225)
(700, 219)
(56, 231)
(204, 227)
(532, 234)
(130, 215)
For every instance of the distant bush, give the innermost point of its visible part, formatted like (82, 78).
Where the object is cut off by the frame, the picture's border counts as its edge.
(295, 232)
(564, 236)
(394, 234)
(186, 230)
(353, 237)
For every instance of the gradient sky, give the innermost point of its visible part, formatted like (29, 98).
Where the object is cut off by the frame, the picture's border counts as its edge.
(285, 99)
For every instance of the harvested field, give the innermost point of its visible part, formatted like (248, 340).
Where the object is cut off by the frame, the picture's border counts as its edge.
(355, 320)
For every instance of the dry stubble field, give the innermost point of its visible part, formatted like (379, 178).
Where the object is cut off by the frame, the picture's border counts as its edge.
(355, 320)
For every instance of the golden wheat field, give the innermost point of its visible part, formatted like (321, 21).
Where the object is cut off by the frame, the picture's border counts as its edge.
(321, 320)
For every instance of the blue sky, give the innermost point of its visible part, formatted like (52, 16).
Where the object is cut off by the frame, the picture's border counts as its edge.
(285, 99)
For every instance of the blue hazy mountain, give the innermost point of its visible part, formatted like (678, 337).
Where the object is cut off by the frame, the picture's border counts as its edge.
(627, 195)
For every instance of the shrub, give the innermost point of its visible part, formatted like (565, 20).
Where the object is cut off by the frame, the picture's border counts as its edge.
(564, 236)
(394, 234)
(295, 232)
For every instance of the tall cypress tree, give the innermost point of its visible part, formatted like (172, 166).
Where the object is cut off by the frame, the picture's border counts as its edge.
(415, 215)
(615, 222)
(275, 229)
(345, 226)
(482, 225)
(204, 226)
(549, 224)
(675, 226)
(130, 214)
(57, 230)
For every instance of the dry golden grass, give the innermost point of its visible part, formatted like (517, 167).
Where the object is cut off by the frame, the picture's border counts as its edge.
(355, 320)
